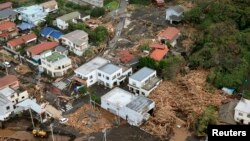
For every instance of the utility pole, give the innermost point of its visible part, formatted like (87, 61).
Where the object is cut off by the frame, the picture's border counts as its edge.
(51, 128)
(6, 69)
(104, 134)
(31, 118)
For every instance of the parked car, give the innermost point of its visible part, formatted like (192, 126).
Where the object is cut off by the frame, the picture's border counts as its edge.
(7, 64)
(63, 120)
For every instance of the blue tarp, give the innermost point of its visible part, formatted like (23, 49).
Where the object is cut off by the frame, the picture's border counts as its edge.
(25, 26)
(51, 32)
(228, 90)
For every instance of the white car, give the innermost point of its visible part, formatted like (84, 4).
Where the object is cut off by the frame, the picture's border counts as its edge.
(63, 120)
(7, 64)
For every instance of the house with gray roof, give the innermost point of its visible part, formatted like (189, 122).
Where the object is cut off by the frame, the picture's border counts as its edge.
(174, 13)
(63, 21)
(144, 81)
(134, 109)
(102, 71)
(8, 14)
(76, 41)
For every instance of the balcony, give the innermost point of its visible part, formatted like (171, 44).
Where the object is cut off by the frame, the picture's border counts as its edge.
(153, 82)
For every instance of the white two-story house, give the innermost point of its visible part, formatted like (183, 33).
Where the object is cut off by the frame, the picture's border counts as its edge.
(8, 100)
(242, 111)
(76, 41)
(55, 64)
(33, 14)
(63, 21)
(100, 70)
(144, 81)
(111, 75)
(6, 108)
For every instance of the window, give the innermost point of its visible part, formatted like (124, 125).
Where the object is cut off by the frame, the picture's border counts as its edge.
(143, 93)
(133, 83)
(8, 107)
(14, 106)
(240, 114)
(248, 115)
(12, 96)
(107, 84)
(114, 77)
(99, 74)
(22, 97)
(13, 101)
(118, 74)
(107, 77)
(90, 77)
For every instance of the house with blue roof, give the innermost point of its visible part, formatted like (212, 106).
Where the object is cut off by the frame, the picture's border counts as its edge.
(32, 14)
(25, 26)
(144, 81)
(51, 33)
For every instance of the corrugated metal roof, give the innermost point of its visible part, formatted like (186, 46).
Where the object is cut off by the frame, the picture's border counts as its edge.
(70, 16)
(28, 103)
(140, 104)
(7, 13)
(49, 31)
(142, 74)
(109, 68)
(7, 91)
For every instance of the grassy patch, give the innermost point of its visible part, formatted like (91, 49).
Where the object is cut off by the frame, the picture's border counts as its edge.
(112, 5)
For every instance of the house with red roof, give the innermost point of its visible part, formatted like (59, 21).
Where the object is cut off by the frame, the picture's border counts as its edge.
(9, 81)
(8, 30)
(169, 35)
(6, 5)
(40, 48)
(159, 51)
(18, 42)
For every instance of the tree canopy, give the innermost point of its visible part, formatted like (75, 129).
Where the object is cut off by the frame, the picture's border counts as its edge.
(222, 42)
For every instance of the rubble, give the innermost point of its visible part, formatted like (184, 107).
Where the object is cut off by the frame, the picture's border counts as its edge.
(23, 69)
(89, 120)
(181, 100)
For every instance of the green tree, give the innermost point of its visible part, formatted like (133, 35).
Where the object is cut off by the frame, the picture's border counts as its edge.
(144, 47)
(100, 34)
(147, 62)
(82, 90)
(209, 116)
(97, 12)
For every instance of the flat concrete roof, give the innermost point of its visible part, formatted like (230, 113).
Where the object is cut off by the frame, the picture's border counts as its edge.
(119, 97)
(142, 74)
(91, 66)
(243, 105)
(109, 68)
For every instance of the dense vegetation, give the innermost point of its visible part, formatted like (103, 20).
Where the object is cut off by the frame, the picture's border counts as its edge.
(222, 42)
(167, 68)
(209, 116)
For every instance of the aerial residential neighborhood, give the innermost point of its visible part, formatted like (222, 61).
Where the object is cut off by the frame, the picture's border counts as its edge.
(123, 70)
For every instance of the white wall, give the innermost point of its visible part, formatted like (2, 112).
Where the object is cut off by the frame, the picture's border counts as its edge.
(61, 24)
(238, 118)
(111, 81)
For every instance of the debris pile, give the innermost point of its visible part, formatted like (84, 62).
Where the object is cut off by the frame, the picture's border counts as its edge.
(23, 69)
(88, 120)
(182, 99)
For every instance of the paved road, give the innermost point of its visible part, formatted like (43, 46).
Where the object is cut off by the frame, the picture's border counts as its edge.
(119, 13)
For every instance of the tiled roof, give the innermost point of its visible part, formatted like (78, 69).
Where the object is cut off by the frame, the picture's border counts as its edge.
(158, 54)
(7, 80)
(6, 25)
(37, 49)
(5, 5)
(21, 40)
(7, 13)
(170, 33)
(126, 56)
